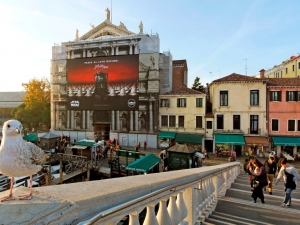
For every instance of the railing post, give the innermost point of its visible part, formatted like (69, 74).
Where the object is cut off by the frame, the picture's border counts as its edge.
(181, 206)
(134, 218)
(173, 210)
(150, 217)
(191, 201)
(163, 216)
(215, 181)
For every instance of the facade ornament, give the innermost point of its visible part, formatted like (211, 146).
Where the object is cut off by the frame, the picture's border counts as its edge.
(107, 14)
(122, 25)
(92, 25)
(77, 35)
(141, 27)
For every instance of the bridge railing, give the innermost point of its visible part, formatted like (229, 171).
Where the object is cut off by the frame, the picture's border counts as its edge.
(183, 197)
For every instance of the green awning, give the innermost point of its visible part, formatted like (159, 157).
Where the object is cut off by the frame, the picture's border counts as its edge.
(188, 138)
(286, 141)
(144, 164)
(166, 134)
(85, 143)
(232, 139)
(30, 137)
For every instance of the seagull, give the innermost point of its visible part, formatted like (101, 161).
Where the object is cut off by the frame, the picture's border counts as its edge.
(18, 158)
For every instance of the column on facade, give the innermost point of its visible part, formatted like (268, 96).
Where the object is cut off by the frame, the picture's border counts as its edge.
(118, 120)
(72, 54)
(83, 119)
(68, 119)
(136, 120)
(117, 50)
(150, 117)
(136, 49)
(88, 119)
(295, 150)
(278, 151)
(130, 49)
(68, 55)
(84, 53)
(72, 119)
(112, 50)
(131, 120)
(113, 122)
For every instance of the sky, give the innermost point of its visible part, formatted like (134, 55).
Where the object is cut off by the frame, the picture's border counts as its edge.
(216, 37)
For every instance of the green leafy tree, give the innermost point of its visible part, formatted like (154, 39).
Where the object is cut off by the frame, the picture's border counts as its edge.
(197, 85)
(35, 109)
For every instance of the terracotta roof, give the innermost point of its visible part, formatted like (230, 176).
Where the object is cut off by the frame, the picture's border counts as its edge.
(183, 90)
(283, 82)
(237, 77)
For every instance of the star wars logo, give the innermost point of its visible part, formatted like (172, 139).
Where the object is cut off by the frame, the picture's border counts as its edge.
(74, 103)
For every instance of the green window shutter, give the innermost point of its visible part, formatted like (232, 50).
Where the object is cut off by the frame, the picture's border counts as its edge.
(178, 102)
(201, 102)
(185, 102)
(168, 103)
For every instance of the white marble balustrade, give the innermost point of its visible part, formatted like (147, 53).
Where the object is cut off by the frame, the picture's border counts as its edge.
(183, 197)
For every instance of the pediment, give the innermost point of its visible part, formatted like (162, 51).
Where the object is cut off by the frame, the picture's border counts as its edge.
(106, 28)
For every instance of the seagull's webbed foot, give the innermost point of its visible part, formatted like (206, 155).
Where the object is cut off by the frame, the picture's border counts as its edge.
(25, 197)
(7, 198)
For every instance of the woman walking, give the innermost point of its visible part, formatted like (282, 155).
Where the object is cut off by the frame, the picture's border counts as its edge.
(290, 177)
(259, 181)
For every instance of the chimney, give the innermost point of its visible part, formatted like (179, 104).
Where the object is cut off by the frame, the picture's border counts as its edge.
(262, 73)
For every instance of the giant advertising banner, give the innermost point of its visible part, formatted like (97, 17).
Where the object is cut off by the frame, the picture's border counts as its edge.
(103, 83)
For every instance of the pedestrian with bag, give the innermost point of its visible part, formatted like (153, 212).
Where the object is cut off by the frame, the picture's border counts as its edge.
(270, 167)
(259, 181)
(290, 177)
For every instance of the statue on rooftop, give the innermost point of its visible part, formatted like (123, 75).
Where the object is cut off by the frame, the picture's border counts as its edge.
(141, 27)
(92, 25)
(107, 14)
(77, 35)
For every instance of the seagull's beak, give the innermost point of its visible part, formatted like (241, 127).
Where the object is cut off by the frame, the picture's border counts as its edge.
(17, 131)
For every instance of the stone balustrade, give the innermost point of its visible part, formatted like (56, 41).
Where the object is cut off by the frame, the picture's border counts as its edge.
(183, 196)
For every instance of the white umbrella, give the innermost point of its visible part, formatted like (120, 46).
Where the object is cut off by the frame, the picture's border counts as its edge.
(198, 154)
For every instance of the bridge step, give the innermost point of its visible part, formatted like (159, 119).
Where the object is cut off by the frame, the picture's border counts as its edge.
(237, 207)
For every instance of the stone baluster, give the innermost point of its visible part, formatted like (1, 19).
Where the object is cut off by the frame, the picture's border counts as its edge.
(173, 210)
(163, 216)
(181, 206)
(134, 218)
(150, 217)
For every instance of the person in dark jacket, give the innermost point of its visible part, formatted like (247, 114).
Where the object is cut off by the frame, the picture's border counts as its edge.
(270, 167)
(260, 180)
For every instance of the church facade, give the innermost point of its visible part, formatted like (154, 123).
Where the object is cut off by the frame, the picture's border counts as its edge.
(106, 84)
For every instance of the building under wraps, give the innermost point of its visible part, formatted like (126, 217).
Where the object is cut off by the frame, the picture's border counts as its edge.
(105, 85)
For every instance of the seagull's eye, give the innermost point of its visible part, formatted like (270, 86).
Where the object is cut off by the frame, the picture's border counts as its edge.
(8, 125)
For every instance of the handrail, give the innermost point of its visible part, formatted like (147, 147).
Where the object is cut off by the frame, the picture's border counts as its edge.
(145, 197)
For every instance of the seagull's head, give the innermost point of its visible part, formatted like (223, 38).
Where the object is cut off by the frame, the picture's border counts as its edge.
(12, 128)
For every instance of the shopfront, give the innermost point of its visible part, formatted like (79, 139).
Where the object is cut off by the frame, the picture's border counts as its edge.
(286, 145)
(192, 140)
(256, 146)
(225, 143)
(166, 139)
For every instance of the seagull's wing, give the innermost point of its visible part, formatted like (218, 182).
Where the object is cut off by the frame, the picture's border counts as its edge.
(38, 154)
